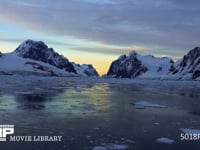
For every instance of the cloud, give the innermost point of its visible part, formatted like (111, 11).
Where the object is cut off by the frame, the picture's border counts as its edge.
(108, 50)
(171, 24)
(20, 40)
(12, 40)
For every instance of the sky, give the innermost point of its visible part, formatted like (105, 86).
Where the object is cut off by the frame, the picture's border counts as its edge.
(99, 31)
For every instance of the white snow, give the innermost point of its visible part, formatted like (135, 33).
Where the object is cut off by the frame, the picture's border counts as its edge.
(84, 70)
(190, 131)
(157, 67)
(164, 140)
(143, 104)
(183, 73)
(13, 63)
(156, 123)
(80, 69)
(186, 66)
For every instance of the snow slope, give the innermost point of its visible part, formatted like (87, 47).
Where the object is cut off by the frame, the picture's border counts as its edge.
(12, 64)
(187, 67)
(158, 67)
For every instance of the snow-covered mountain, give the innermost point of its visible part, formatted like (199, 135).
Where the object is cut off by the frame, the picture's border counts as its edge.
(36, 58)
(134, 65)
(37, 50)
(85, 70)
(188, 67)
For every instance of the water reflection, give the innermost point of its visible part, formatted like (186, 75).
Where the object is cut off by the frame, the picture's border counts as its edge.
(83, 99)
(35, 102)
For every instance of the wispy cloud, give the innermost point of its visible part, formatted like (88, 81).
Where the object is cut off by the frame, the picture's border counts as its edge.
(107, 50)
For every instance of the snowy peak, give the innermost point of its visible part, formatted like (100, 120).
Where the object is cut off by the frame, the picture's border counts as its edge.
(34, 57)
(188, 66)
(127, 66)
(132, 54)
(135, 65)
(38, 50)
(149, 67)
(28, 45)
(85, 70)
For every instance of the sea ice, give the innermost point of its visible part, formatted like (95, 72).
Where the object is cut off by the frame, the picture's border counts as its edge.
(165, 140)
(143, 104)
(24, 93)
(190, 131)
(112, 146)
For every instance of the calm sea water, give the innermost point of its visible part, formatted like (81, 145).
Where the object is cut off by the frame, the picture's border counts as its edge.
(98, 112)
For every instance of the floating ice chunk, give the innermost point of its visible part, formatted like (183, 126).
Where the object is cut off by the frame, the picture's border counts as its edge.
(165, 140)
(112, 146)
(38, 88)
(143, 104)
(129, 141)
(99, 148)
(156, 123)
(190, 131)
(96, 128)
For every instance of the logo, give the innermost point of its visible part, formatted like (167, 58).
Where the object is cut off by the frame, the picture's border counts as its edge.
(6, 130)
(9, 129)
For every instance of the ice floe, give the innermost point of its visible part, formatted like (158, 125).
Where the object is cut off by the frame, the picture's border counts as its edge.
(165, 140)
(24, 93)
(143, 104)
(111, 146)
(190, 131)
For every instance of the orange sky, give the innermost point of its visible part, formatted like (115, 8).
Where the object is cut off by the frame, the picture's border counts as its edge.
(100, 62)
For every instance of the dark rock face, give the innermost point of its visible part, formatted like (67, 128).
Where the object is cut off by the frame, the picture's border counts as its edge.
(1, 54)
(190, 64)
(37, 50)
(192, 59)
(5, 73)
(126, 67)
(196, 74)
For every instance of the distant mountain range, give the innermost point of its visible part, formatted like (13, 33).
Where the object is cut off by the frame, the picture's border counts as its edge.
(134, 65)
(34, 57)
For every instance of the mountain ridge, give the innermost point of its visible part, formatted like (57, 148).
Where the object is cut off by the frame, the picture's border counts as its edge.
(134, 65)
(42, 59)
